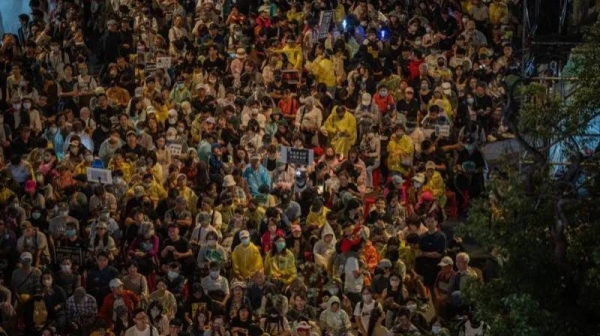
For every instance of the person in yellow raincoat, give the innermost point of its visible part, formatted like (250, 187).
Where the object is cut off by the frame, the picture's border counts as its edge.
(281, 262)
(293, 53)
(435, 183)
(151, 188)
(245, 258)
(340, 127)
(498, 11)
(401, 150)
(317, 215)
(322, 68)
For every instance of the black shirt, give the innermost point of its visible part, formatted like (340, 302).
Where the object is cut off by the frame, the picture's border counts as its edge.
(209, 64)
(410, 109)
(433, 242)
(102, 116)
(181, 246)
(135, 152)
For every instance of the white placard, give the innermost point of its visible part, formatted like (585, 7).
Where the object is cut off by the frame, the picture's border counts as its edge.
(163, 62)
(175, 149)
(102, 176)
(443, 131)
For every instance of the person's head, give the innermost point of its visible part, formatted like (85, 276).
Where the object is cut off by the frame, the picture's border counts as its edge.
(279, 244)
(116, 286)
(395, 280)
(66, 265)
(47, 279)
(155, 309)
(462, 261)
(367, 295)
(173, 231)
(102, 260)
(132, 268)
(161, 284)
(139, 318)
(259, 278)
(299, 301)
(26, 259)
(404, 318)
(175, 326)
(431, 222)
(218, 322)
(480, 90)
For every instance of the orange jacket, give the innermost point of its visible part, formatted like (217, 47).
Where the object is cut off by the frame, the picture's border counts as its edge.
(371, 256)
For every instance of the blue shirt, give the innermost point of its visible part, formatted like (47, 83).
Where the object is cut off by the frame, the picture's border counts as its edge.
(257, 178)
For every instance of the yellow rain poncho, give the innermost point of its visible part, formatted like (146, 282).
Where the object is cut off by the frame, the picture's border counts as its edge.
(341, 131)
(281, 266)
(246, 260)
(401, 151)
(322, 69)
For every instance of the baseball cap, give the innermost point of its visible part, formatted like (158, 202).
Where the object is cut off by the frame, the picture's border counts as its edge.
(366, 98)
(430, 165)
(397, 179)
(446, 261)
(114, 283)
(385, 263)
(26, 255)
(244, 234)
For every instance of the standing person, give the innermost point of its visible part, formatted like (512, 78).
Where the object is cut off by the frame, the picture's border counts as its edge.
(442, 284)
(433, 247)
(363, 309)
(99, 277)
(141, 327)
(25, 279)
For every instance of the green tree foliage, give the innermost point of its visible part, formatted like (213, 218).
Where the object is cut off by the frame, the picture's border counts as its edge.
(546, 226)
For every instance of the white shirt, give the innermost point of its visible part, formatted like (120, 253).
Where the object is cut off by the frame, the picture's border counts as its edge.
(136, 332)
(352, 284)
(365, 312)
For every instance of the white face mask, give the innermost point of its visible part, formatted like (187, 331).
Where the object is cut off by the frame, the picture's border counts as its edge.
(412, 307)
(27, 106)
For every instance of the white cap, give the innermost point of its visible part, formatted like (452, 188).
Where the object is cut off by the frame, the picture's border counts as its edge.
(366, 98)
(114, 283)
(446, 261)
(26, 255)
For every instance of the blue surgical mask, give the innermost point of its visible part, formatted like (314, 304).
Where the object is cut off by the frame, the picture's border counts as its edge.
(172, 275)
(280, 245)
(383, 93)
(469, 147)
(36, 215)
(214, 274)
(436, 329)
(245, 241)
(71, 233)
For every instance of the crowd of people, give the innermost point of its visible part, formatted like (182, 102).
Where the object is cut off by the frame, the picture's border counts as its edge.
(147, 186)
